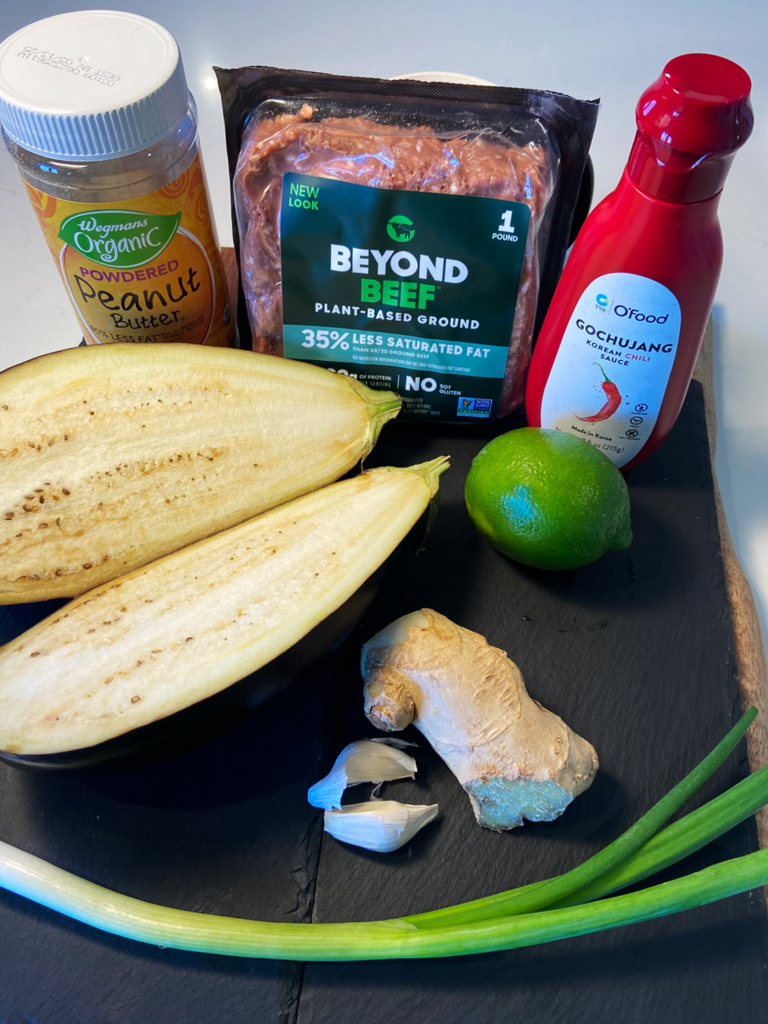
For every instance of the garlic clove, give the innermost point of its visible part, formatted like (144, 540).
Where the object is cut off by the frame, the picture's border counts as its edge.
(381, 825)
(361, 761)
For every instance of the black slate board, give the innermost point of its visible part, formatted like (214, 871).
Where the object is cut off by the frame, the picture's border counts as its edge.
(635, 652)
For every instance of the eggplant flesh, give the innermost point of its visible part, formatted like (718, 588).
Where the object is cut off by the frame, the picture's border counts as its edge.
(113, 456)
(199, 723)
(184, 628)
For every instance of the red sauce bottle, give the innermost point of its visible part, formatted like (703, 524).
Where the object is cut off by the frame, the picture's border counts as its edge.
(617, 349)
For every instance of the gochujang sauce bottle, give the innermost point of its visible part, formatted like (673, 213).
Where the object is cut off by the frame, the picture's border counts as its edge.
(618, 346)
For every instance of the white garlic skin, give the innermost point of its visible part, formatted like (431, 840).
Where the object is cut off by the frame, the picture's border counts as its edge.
(379, 825)
(362, 761)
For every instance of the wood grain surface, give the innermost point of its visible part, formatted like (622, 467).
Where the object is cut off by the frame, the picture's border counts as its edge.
(747, 634)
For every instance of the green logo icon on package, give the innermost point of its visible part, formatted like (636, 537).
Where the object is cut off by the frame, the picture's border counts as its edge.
(400, 228)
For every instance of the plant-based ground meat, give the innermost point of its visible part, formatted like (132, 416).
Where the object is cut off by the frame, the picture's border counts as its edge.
(363, 152)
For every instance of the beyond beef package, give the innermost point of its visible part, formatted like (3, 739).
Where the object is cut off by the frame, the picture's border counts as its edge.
(406, 233)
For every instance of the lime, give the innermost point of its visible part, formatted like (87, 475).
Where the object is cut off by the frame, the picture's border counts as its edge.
(548, 499)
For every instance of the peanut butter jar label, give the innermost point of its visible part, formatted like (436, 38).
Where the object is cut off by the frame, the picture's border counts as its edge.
(144, 270)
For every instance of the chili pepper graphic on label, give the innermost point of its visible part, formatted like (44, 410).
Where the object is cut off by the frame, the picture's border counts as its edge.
(612, 403)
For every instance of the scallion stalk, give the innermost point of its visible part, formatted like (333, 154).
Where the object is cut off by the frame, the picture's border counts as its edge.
(682, 838)
(714, 883)
(539, 895)
(455, 930)
(381, 940)
(673, 843)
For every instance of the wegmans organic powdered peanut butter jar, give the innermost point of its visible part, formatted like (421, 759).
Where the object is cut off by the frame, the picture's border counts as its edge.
(95, 110)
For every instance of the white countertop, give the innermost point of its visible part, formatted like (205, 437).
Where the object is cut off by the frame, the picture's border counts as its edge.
(588, 49)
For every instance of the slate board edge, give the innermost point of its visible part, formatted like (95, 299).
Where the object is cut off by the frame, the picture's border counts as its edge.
(745, 622)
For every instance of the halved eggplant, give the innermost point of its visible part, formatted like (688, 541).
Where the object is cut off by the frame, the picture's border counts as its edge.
(199, 723)
(186, 627)
(112, 456)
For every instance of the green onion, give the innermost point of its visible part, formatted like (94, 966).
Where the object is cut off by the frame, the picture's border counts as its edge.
(683, 838)
(714, 883)
(380, 940)
(529, 898)
(456, 930)
(673, 843)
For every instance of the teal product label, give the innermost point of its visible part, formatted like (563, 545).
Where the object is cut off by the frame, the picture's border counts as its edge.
(413, 292)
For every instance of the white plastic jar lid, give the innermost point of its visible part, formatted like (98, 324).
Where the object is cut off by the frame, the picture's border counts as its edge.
(91, 85)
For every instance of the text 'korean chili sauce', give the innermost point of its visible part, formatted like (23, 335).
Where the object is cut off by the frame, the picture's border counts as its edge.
(617, 348)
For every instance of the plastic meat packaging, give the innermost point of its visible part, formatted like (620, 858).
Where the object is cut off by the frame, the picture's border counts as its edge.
(404, 232)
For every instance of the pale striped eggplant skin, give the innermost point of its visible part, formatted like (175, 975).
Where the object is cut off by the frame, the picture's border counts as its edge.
(112, 456)
(184, 628)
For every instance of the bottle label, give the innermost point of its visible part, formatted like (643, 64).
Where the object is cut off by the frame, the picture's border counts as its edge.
(413, 292)
(610, 373)
(143, 270)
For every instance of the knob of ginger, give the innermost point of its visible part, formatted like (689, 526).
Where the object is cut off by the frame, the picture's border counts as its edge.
(514, 758)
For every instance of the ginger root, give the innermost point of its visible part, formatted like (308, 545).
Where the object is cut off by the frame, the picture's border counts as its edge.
(514, 758)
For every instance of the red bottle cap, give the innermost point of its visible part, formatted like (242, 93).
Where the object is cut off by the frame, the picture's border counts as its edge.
(690, 123)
